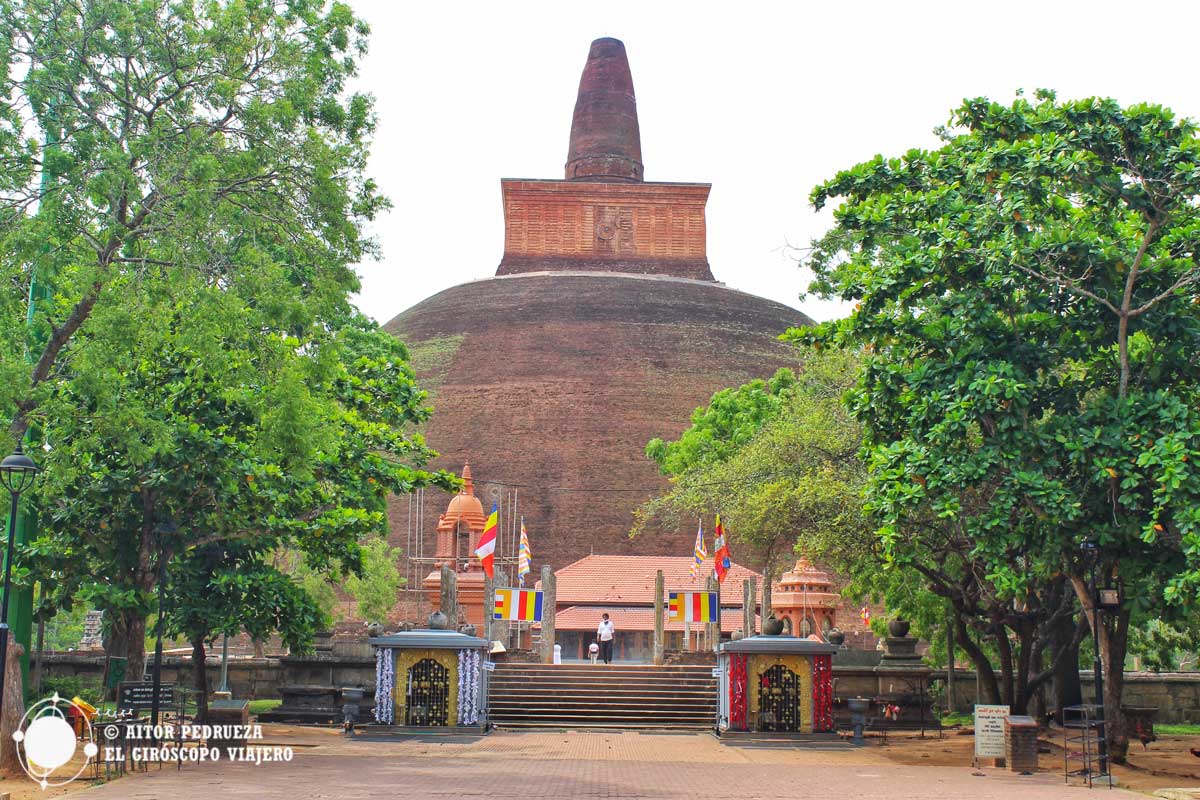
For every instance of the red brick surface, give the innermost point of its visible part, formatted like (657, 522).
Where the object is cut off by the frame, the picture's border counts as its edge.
(605, 140)
(553, 384)
(647, 228)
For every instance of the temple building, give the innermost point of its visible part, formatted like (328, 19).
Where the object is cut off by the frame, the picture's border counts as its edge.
(623, 588)
(602, 328)
(458, 530)
(805, 596)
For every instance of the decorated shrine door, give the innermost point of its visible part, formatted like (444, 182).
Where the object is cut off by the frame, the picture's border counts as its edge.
(428, 701)
(779, 700)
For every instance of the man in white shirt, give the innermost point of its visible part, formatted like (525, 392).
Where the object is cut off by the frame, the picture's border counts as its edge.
(604, 635)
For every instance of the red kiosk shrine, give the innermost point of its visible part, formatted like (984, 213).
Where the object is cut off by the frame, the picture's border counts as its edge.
(777, 684)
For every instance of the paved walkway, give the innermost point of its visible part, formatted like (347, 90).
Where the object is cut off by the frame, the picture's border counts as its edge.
(576, 765)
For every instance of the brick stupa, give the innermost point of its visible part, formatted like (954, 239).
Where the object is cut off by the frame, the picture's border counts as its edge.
(602, 328)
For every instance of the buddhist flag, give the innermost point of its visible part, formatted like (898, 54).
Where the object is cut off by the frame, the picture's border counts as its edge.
(525, 556)
(486, 550)
(699, 554)
(721, 559)
(865, 615)
(518, 604)
(692, 606)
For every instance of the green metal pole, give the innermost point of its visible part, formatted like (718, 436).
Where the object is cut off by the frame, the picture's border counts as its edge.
(21, 616)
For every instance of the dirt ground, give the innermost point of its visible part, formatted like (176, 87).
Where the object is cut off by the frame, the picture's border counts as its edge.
(1164, 764)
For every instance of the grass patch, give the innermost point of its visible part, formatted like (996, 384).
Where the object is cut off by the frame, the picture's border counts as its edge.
(956, 718)
(261, 706)
(1177, 730)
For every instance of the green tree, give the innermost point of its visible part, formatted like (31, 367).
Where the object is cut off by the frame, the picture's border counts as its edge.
(227, 588)
(1026, 294)
(213, 139)
(731, 418)
(211, 433)
(778, 460)
(377, 589)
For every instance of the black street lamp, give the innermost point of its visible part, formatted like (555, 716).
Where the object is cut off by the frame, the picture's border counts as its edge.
(1091, 549)
(17, 473)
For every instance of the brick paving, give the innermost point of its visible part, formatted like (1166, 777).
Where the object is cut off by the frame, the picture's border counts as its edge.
(576, 765)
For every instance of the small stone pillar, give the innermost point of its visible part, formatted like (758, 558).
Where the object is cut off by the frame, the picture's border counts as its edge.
(749, 595)
(660, 617)
(549, 593)
(1020, 744)
(449, 597)
(713, 630)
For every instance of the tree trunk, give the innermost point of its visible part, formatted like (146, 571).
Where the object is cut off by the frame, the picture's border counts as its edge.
(1113, 658)
(1004, 649)
(116, 634)
(260, 648)
(1024, 669)
(1068, 691)
(1036, 694)
(14, 709)
(989, 688)
(135, 648)
(200, 678)
(1112, 640)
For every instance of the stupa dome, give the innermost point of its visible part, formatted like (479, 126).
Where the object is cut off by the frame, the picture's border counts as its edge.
(464, 507)
(603, 328)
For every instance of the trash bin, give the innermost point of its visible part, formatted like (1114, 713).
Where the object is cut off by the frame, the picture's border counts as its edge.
(558, 654)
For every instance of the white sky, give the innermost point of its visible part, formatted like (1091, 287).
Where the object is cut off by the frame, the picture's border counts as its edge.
(763, 102)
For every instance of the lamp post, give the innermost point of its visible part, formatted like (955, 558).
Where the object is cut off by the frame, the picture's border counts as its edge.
(17, 472)
(1091, 549)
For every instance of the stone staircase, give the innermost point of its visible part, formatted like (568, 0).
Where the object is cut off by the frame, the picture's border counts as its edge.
(614, 696)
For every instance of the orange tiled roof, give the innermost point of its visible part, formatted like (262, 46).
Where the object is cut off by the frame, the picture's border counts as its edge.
(586, 618)
(629, 580)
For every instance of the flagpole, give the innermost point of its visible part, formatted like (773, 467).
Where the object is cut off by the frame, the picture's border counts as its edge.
(717, 638)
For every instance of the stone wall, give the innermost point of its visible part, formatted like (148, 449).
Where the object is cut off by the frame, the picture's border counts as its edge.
(249, 678)
(1176, 695)
(349, 663)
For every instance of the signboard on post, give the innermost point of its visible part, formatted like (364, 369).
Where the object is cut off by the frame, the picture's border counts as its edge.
(989, 731)
(139, 695)
(116, 672)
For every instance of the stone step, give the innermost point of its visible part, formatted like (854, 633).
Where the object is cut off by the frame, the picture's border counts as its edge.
(604, 726)
(601, 669)
(590, 667)
(580, 703)
(508, 684)
(574, 692)
(612, 678)
(609, 721)
(602, 696)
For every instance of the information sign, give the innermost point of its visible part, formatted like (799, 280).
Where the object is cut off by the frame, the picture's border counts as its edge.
(989, 731)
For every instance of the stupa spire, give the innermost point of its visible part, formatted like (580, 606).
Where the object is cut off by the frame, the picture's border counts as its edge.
(606, 144)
